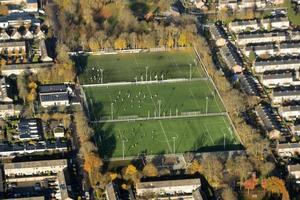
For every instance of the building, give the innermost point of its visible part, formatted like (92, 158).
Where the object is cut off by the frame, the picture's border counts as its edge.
(246, 4)
(176, 189)
(4, 91)
(217, 34)
(275, 23)
(59, 132)
(273, 79)
(261, 37)
(287, 94)
(250, 85)
(232, 58)
(266, 119)
(288, 149)
(244, 25)
(273, 64)
(289, 112)
(34, 167)
(289, 48)
(31, 6)
(9, 110)
(294, 171)
(13, 47)
(227, 4)
(261, 50)
(18, 19)
(11, 150)
(54, 95)
(30, 174)
(30, 129)
(17, 69)
(295, 128)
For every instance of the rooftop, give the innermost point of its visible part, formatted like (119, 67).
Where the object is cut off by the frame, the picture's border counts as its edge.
(52, 88)
(168, 183)
(277, 75)
(288, 145)
(35, 164)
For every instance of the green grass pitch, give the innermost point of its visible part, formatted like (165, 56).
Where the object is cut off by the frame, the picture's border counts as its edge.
(154, 137)
(143, 100)
(132, 67)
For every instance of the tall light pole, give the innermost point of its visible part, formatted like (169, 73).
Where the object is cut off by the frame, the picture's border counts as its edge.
(174, 138)
(224, 140)
(101, 71)
(159, 106)
(112, 111)
(123, 148)
(147, 72)
(190, 71)
(206, 105)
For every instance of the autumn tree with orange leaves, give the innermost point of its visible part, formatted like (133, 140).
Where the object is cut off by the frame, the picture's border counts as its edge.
(275, 185)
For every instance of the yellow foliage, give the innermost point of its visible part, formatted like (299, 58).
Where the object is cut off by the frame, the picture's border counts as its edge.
(182, 41)
(170, 42)
(113, 176)
(130, 170)
(150, 170)
(195, 167)
(32, 85)
(120, 43)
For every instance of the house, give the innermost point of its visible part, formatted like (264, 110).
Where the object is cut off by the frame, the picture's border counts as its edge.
(264, 49)
(31, 6)
(18, 19)
(15, 35)
(111, 192)
(13, 47)
(287, 94)
(295, 128)
(267, 120)
(54, 95)
(27, 34)
(261, 37)
(17, 69)
(34, 167)
(30, 129)
(250, 85)
(227, 4)
(275, 23)
(232, 58)
(294, 171)
(289, 112)
(246, 4)
(4, 36)
(33, 173)
(217, 34)
(277, 78)
(289, 48)
(290, 63)
(294, 35)
(173, 189)
(288, 149)
(9, 110)
(243, 25)
(11, 150)
(4, 98)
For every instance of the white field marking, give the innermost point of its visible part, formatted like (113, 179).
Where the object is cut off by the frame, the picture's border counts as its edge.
(194, 98)
(209, 134)
(197, 67)
(229, 128)
(215, 99)
(162, 128)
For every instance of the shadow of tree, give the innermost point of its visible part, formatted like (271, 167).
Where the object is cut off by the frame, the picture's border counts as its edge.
(138, 8)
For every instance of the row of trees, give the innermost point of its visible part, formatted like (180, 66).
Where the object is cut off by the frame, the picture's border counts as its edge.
(103, 24)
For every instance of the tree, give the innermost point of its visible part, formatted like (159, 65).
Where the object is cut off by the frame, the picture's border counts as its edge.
(93, 44)
(229, 194)
(120, 44)
(150, 170)
(131, 173)
(92, 162)
(170, 41)
(266, 168)
(212, 170)
(3, 9)
(275, 185)
(21, 83)
(240, 167)
(182, 41)
(250, 184)
(195, 167)
(130, 170)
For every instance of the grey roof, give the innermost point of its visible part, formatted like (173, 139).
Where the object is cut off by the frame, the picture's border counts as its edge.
(231, 56)
(288, 45)
(286, 92)
(281, 61)
(265, 117)
(277, 75)
(54, 97)
(168, 183)
(261, 34)
(263, 47)
(12, 44)
(243, 22)
(35, 164)
(215, 31)
(18, 16)
(288, 145)
(29, 198)
(290, 108)
(52, 88)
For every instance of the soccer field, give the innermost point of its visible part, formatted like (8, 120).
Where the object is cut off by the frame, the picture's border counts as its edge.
(137, 67)
(154, 137)
(152, 100)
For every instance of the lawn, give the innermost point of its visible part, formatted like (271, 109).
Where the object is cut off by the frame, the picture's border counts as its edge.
(134, 67)
(152, 100)
(293, 16)
(160, 136)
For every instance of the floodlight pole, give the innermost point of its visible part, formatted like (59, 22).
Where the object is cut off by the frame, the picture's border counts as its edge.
(159, 106)
(147, 72)
(101, 70)
(206, 105)
(190, 72)
(123, 148)
(174, 138)
(224, 140)
(112, 111)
